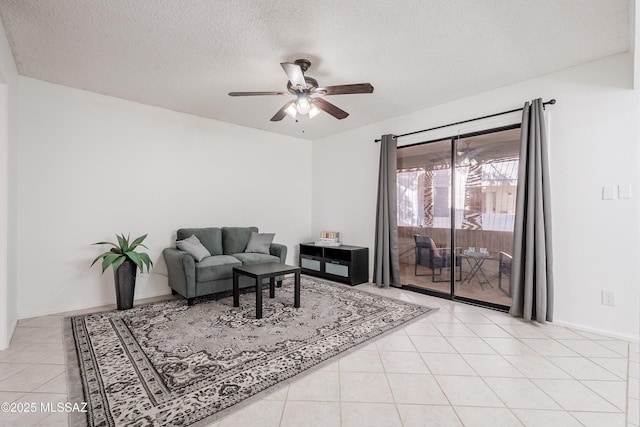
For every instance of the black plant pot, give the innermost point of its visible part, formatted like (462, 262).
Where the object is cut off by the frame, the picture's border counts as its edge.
(125, 279)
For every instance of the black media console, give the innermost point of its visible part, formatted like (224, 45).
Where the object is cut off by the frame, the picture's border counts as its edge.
(346, 264)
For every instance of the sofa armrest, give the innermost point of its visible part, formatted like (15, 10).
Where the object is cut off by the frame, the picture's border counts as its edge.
(280, 251)
(181, 270)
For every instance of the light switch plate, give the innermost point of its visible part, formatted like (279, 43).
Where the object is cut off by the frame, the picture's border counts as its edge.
(608, 193)
(624, 191)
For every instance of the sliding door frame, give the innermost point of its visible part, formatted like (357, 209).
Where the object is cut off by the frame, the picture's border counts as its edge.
(453, 140)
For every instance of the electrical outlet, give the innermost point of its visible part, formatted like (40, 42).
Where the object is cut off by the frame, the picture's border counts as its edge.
(608, 297)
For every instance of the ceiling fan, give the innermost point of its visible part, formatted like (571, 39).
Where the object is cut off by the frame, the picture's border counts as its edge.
(308, 94)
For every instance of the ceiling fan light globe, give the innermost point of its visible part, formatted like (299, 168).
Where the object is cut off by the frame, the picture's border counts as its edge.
(291, 110)
(313, 111)
(303, 105)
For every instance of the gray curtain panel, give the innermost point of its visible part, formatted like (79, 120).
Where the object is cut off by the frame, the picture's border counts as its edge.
(531, 269)
(386, 264)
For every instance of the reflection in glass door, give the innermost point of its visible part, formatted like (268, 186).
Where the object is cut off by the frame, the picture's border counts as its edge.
(424, 216)
(469, 258)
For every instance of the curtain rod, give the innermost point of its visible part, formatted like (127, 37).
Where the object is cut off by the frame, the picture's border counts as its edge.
(551, 101)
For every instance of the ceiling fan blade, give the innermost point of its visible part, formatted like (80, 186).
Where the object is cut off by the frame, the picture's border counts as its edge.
(346, 89)
(328, 107)
(281, 112)
(257, 93)
(295, 74)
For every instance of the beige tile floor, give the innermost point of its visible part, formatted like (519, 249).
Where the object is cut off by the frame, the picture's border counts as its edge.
(462, 365)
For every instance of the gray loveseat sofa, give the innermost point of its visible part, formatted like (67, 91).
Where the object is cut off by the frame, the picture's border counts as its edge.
(213, 274)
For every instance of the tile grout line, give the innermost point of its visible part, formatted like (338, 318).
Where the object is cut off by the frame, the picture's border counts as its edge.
(340, 391)
(573, 378)
(581, 381)
(536, 385)
(384, 370)
(440, 386)
(511, 410)
(627, 406)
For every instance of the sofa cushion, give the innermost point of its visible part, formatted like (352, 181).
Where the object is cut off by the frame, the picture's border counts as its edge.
(216, 267)
(260, 242)
(211, 238)
(253, 258)
(193, 246)
(235, 239)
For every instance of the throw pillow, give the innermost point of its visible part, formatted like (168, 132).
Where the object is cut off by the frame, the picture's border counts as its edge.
(434, 248)
(260, 242)
(193, 246)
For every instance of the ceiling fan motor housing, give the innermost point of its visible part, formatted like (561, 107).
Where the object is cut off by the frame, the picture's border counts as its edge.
(312, 85)
(304, 64)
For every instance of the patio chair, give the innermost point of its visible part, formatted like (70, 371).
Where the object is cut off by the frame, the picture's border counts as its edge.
(504, 269)
(430, 256)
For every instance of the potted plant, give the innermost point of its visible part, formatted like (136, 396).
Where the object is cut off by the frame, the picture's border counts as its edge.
(125, 262)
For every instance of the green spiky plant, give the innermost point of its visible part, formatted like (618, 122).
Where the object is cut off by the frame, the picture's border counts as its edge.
(123, 251)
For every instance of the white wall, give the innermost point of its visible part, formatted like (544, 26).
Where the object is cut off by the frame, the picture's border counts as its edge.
(594, 142)
(8, 140)
(91, 166)
(634, 22)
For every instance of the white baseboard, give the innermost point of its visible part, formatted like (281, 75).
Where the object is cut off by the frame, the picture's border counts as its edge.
(597, 331)
(106, 304)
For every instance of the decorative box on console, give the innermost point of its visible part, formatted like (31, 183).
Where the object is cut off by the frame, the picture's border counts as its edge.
(328, 238)
(346, 264)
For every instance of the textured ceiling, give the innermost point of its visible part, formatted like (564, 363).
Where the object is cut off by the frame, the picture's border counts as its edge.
(186, 55)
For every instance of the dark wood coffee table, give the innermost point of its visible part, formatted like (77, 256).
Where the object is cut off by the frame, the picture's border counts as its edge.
(263, 271)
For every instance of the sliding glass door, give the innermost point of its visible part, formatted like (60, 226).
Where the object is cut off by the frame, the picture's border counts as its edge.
(424, 215)
(456, 209)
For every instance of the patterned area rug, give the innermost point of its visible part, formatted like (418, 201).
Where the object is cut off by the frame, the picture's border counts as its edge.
(169, 364)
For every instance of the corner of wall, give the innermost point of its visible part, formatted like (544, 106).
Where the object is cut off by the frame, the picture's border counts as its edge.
(6, 331)
(8, 217)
